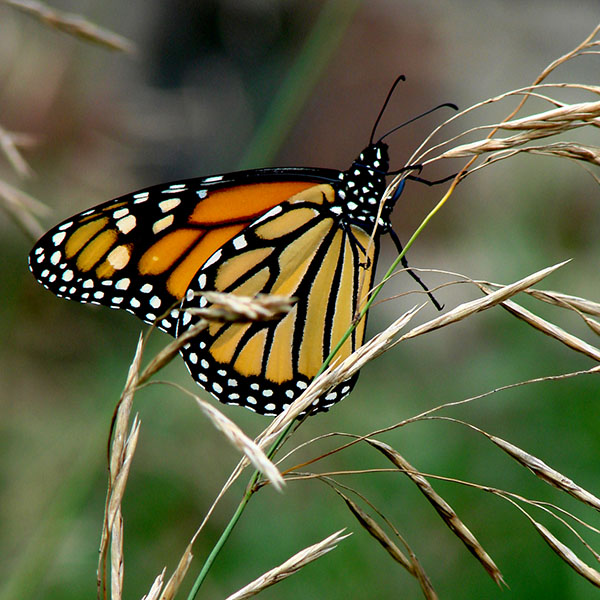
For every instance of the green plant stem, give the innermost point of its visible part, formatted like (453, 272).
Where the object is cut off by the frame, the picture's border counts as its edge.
(234, 519)
(224, 536)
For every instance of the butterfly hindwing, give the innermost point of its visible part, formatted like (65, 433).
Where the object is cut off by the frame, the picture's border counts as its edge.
(297, 249)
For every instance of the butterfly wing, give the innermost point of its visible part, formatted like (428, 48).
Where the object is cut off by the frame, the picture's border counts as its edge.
(293, 231)
(140, 252)
(299, 248)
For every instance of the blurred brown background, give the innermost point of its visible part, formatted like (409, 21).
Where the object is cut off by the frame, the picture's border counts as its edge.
(197, 98)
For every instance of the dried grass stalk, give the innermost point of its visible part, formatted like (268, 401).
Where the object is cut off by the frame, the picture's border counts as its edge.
(175, 580)
(372, 527)
(468, 308)
(412, 565)
(443, 509)
(289, 567)
(122, 449)
(549, 329)
(541, 125)
(562, 118)
(156, 587)
(566, 554)
(242, 442)
(23, 208)
(581, 304)
(571, 150)
(73, 24)
(116, 556)
(229, 307)
(166, 355)
(545, 472)
(385, 340)
(9, 143)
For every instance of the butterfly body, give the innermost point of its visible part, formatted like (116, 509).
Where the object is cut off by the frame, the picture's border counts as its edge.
(299, 232)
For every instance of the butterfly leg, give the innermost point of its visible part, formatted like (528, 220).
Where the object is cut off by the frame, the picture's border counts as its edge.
(404, 262)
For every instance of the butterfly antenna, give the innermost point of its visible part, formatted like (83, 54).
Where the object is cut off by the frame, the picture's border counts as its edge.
(445, 105)
(398, 80)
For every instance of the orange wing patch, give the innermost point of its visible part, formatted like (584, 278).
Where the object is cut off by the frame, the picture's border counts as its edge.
(244, 202)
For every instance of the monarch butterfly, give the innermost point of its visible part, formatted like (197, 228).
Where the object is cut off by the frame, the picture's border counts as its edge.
(302, 232)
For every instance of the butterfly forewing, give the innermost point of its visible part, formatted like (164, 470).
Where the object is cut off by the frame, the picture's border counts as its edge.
(141, 251)
(297, 249)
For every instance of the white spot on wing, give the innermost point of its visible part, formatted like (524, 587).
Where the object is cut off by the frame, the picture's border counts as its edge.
(126, 224)
(118, 257)
(240, 242)
(162, 224)
(140, 197)
(58, 238)
(167, 205)
(122, 284)
(213, 259)
(271, 213)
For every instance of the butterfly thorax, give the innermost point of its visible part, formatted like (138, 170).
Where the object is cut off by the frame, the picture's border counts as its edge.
(361, 188)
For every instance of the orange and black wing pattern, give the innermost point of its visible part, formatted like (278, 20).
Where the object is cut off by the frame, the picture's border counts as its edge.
(297, 249)
(140, 252)
(298, 232)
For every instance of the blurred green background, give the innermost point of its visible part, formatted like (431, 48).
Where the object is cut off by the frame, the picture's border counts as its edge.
(198, 98)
